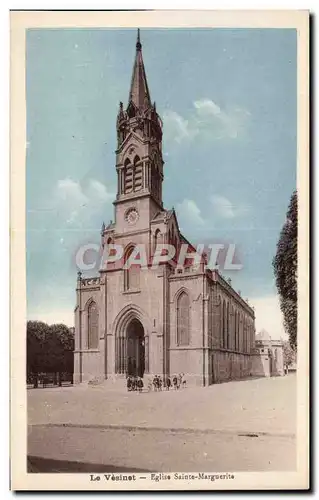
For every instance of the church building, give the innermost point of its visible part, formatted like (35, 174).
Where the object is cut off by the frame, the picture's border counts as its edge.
(162, 320)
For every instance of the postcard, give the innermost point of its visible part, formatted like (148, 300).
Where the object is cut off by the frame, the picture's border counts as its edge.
(159, 250)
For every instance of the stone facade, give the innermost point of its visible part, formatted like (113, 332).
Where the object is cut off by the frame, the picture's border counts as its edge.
(268, 360)
(155, 321)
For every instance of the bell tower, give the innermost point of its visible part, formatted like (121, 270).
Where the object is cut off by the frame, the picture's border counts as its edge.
(139, 162)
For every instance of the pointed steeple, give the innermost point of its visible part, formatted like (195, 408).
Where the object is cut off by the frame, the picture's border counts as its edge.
(139, 93)
(139, 161)
(138, 41)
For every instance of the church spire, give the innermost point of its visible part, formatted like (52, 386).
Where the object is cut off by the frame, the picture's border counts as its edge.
(138, 41)
(139, 161)
(139, 93)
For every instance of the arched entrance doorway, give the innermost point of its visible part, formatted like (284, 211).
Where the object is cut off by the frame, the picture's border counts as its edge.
(131, 334)
(135, 352)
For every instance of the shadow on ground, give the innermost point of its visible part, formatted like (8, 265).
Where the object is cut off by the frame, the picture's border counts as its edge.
(47, 465)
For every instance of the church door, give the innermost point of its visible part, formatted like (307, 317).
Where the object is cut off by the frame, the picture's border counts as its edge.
(135, 349)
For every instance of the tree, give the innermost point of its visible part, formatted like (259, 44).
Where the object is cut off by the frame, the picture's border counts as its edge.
(36, 334)
(285, 266)
(64, 339)
(289, 354)
(49, 349)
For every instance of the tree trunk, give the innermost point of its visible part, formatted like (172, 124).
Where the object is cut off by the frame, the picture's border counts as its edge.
(35, 381)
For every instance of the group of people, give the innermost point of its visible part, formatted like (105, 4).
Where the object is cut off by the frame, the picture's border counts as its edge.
(156, 383)
(134, 383)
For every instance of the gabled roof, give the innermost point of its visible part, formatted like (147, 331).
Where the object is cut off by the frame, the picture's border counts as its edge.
(162, 214)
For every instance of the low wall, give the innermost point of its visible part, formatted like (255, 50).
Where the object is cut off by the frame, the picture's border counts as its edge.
(230, 366)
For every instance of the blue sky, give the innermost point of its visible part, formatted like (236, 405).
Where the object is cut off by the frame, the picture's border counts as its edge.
(227, 98)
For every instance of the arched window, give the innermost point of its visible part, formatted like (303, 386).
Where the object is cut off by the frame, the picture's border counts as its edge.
(110, 250)
(155, 177)
(132, 273)
(227, 326)
(128, 176)
(93, 326)
(245, 334)
(231, 328)
(157, 236)
(137, 174)
(183, 319)
(237, 331)
(222, 322)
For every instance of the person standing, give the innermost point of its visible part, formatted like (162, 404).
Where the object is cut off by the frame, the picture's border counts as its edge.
(155, 383)
(149, 385)
(175, 382)
(140, 384)
(134, 386)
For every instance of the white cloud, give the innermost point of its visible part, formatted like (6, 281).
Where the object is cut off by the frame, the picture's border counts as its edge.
(207, 107)
(222, 123)
(207, 119)
(77, 203)
(70, 191)
(225, 208)
(97, 189)
(189, 214)
(269, 316)
(176, 126)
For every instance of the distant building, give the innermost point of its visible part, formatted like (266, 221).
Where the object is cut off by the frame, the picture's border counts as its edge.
(268, 360)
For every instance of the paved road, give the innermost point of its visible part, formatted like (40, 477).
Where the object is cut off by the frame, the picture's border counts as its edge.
(238, 426)
(104, 450)
(260, 405)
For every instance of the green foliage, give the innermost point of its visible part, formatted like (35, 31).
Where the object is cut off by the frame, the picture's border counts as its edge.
(289, 354)
(285, 266)
(49, 349)
(36, 333)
